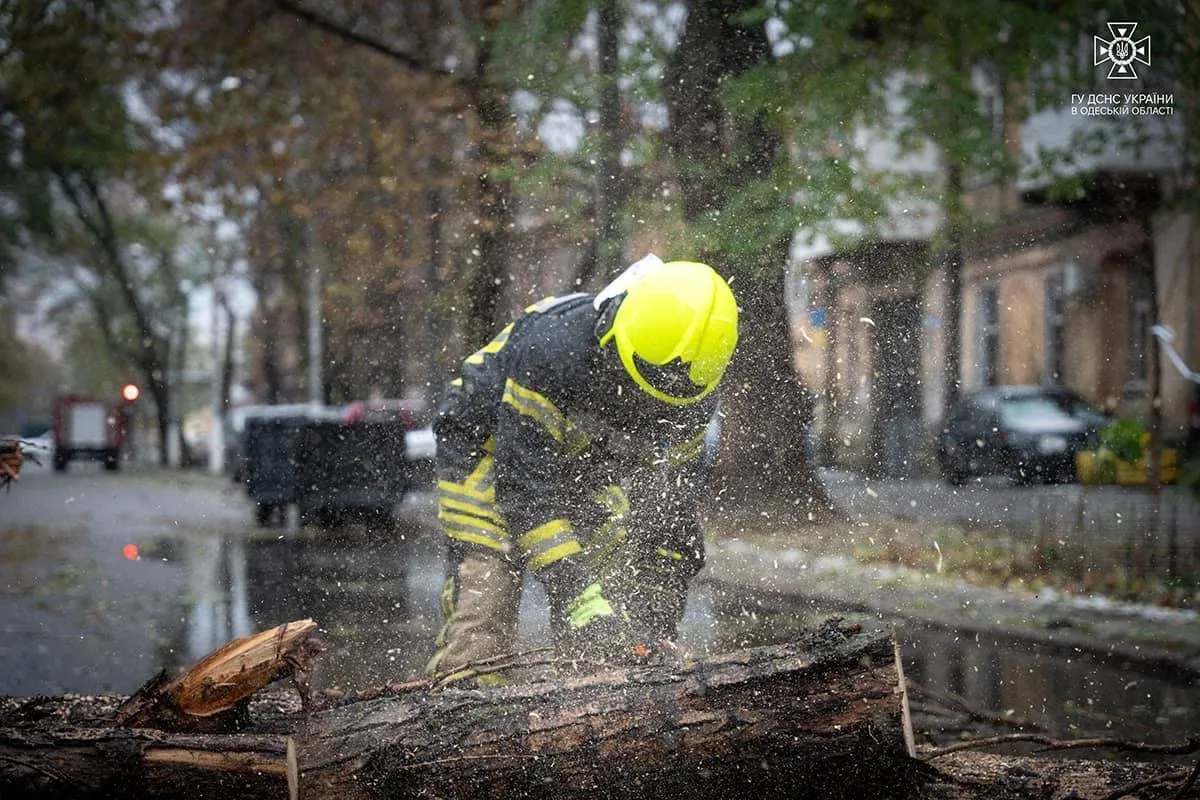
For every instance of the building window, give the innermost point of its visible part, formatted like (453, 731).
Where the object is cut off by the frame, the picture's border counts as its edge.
(1139, 328)
(987, 324)
(1056, 322)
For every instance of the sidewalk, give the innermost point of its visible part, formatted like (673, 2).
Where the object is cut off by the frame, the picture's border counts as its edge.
(1151, 636)
(1098, 529)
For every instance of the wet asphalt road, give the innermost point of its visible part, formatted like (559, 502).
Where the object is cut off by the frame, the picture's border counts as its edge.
(107, 578)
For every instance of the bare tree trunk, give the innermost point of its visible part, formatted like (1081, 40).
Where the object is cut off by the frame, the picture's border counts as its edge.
(952, 312)
(759, 463)
(611, 186)
(832, 423)
(157, 389)
(497, 210)
(150, 351)
(767, 462)
(227, 361)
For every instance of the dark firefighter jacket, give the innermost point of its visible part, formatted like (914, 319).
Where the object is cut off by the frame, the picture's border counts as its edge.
(574, 441)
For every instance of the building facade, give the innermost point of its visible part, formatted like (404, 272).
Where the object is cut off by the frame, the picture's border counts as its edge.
(1062, 295)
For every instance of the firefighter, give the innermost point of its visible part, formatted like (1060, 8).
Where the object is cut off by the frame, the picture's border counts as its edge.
(572, 446)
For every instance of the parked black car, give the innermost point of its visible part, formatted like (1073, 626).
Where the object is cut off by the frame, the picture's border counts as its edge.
(1030, 433)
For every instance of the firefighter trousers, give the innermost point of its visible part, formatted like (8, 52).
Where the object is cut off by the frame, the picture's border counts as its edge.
(480, 603)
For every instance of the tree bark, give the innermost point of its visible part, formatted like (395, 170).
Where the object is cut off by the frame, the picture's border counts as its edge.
(493, 235)
(822, 717)
(952, 312)
(612, 186)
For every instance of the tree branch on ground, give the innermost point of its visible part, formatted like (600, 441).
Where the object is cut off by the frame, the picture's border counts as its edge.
(1192, 745)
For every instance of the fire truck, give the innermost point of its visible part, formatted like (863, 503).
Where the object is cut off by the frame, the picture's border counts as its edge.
(88, 428)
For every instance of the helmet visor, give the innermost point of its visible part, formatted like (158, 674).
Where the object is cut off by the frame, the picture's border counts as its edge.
(672, 379)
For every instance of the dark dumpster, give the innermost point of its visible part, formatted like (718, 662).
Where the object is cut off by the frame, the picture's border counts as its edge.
(351, 471)
(272, 447)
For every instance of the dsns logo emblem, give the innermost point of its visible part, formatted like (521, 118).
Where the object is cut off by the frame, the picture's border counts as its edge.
(1122, 50)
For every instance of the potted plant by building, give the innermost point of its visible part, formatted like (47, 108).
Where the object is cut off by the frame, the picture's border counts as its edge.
(1120, 457)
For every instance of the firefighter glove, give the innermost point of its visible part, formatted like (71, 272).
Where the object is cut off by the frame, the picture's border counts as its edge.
(587, 606)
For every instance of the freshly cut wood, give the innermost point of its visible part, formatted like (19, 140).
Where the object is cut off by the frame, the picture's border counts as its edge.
(240, 668)
(821, 717)
(222, 679)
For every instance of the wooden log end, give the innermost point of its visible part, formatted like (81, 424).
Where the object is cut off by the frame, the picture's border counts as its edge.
(239, 669)
(220, 682)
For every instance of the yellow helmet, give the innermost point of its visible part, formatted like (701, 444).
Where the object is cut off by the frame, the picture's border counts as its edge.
(675, 330)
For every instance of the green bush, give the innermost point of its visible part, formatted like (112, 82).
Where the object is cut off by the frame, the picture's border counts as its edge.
(1125, 439)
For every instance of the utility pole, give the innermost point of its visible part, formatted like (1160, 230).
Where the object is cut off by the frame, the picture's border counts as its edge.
(314, 335)
(315, 355)
(174, 375)
(216, 439)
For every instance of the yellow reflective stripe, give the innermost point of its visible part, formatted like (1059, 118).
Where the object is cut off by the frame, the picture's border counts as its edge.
(542, 305)
(609, 534)
(548, 543)
(475, 538)
(541, 533)
(687, 451)
(467, 511)
(481, 478)
(556, 553)
(578, 440)
(494, 346)
(479, 485)
(447, 505)
(535, 406)
(471, 521)
(459, 490)
(604, 548)
(606, 528)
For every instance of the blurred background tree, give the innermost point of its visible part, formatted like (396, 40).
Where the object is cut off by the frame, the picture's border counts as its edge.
(78, 170)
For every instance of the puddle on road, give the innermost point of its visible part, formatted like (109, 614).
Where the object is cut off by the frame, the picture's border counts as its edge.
(1065, 692)
(374, 595)
(372, 592)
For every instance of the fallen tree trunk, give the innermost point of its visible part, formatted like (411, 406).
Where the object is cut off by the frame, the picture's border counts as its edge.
(816, 721)
(818, 718)
(822, 717)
